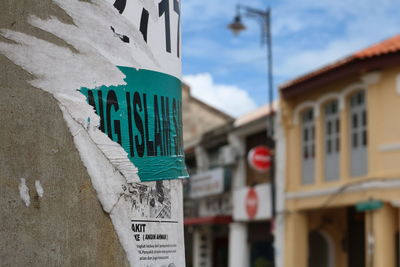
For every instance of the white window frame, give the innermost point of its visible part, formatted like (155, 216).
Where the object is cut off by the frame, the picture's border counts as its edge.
(358, 134)
(308, 146)
(332, 140)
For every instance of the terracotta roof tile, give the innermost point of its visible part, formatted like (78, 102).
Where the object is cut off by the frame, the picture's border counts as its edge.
(387, 46)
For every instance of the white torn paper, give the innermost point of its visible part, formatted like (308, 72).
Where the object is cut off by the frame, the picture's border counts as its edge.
(24, 192)
(39, 188)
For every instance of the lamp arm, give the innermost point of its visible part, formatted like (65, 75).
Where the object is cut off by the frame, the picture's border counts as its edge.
(253, 11)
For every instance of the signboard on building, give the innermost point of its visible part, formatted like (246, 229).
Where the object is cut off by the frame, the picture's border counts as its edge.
(215, 205)
(207, 183)
(252, 203)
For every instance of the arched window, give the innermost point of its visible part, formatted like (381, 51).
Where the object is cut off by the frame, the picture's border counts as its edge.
(358, 134)
(332, 140)
(308, 146)
(320, 252)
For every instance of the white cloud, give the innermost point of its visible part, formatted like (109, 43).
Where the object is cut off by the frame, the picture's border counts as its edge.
(228, 98)
(315, 42)
(307, 60)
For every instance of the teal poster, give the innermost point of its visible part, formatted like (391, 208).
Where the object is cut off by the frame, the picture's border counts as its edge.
(145, 117)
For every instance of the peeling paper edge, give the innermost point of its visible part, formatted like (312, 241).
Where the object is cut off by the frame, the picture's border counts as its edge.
(109, 149)
(106, 180)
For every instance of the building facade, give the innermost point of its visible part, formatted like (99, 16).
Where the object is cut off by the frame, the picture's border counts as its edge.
(251, 242)
(228, 203)
(342, 140)
(208, 202)
(207, 199)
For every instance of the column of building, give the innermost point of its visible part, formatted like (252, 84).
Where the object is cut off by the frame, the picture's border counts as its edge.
(202, 236)
(238, 245)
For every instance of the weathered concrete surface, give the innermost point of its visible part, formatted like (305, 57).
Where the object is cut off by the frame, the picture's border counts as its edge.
(67, 226)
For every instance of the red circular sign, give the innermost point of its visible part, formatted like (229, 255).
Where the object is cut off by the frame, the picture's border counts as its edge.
(259, 158)
(251, 203)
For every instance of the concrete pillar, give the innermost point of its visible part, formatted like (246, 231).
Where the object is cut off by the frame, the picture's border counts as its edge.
(202, 247)
(384, 229)
(239, 173)
(238, 246)
(202, 159)
(296, 244)
(279, 243)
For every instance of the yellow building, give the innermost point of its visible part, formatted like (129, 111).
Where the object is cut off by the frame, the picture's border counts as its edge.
(342, 132)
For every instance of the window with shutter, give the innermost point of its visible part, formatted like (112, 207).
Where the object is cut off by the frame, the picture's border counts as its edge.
(308, 146)
(358, 135)
(332, 141)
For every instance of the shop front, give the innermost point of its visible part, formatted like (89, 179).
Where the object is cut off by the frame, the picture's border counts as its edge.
(252, 217)
(207, 216)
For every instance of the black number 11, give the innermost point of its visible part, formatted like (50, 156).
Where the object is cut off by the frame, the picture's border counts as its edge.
(163, 9)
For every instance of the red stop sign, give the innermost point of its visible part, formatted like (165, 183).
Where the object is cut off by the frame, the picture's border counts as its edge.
(251, 203)
(259, 158)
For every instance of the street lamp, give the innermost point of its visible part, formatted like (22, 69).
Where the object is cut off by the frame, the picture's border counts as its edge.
(263, 16)
(237, 26)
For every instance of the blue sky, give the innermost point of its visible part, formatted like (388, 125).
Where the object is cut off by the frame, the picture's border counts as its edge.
(231, 72)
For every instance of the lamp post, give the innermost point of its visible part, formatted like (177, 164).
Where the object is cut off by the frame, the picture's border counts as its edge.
(264, 17)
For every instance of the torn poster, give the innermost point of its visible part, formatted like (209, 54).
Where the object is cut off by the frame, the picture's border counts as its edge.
(144, 117)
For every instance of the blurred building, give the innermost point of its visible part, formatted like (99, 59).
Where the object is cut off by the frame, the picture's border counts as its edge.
(250, 238)
(218, 229)
(208, 202)
(342, 132)
(207, 207)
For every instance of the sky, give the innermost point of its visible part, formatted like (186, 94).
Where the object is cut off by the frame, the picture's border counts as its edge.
(230, 72)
